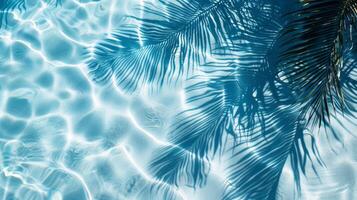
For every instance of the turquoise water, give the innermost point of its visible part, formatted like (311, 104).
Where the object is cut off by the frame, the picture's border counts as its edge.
(64, 137)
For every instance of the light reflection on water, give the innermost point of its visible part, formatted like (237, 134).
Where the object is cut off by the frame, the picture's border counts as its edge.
(63, 137)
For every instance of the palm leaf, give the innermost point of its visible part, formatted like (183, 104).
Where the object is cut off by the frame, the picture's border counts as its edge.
(313, 46)
(155, 49)
(349, 83)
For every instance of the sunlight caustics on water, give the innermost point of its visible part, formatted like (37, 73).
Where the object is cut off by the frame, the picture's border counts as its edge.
(64, 137)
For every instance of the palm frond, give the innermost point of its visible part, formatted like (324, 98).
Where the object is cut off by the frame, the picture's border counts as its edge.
(157, 48)
(349, 83)
(313, 46)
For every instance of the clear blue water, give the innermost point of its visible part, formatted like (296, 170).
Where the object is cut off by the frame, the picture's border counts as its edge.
(64, 137)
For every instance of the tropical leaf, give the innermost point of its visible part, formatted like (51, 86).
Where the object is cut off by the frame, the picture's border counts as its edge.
(346, 112)
(313, 45)
(167, 43)
(349, 82)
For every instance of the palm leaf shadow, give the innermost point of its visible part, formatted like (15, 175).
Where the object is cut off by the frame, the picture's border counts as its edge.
(198, 132)
(255, 174)
(8, 6)
(153, 50)
(234, 103)
(250, 92)
(272, 119)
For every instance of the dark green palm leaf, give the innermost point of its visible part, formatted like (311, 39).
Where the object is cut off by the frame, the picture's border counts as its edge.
(313, 46)
(349, 83)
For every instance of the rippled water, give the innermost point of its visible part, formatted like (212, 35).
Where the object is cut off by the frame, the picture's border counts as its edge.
(63, 137)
